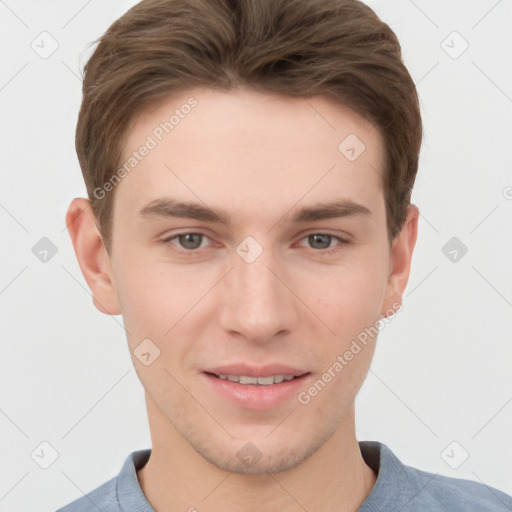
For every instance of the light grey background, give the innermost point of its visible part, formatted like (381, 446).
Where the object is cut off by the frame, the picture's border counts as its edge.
(441, 372)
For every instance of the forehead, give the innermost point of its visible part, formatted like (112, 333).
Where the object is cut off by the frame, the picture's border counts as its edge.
(242, 113)
(252, 151)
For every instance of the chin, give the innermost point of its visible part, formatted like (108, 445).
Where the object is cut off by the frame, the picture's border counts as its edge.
(250, 460)
(258, 454)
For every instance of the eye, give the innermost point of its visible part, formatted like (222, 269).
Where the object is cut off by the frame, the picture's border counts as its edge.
(322, 241)
(188, 241)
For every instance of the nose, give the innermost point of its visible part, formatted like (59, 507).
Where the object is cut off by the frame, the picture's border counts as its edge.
(256, 304)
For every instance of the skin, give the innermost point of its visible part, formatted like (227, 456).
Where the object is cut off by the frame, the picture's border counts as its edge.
(258, 158)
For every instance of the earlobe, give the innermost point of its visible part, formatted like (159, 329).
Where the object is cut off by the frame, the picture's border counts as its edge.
(92, 255)
(401, 256)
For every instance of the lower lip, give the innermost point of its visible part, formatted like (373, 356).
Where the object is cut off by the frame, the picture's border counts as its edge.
(256, 397)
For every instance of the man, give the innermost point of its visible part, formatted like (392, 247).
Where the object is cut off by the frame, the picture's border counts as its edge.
(249, 166)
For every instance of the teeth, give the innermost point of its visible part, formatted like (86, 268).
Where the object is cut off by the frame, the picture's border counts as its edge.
(262, 381)
(254, 380)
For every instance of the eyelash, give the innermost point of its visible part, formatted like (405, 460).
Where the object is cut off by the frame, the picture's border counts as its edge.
(335, 249)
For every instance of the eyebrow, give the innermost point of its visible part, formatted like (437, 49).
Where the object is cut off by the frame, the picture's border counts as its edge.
(168, 207)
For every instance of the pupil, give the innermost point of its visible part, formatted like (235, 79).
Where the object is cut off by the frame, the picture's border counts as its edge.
(188, 242)
(324, 241)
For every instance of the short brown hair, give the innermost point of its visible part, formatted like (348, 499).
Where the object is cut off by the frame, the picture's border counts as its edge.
(336, 48)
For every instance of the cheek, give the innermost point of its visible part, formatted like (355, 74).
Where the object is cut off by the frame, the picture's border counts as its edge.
(147, 301)
(349, 298)
(351, 307)
(156, 297)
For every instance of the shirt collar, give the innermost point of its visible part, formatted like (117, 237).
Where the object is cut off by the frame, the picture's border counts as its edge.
(128, 492)
(392, 487)
(392, 490)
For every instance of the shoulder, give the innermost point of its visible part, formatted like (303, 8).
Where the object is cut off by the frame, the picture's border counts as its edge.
(102, 498)
(122, 492)
(408, 489)
(435, 492)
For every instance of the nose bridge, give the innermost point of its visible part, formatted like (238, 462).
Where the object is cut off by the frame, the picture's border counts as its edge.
(258, 305)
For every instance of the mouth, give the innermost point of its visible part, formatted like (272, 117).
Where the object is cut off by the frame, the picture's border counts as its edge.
(252, 388)
(255, 381)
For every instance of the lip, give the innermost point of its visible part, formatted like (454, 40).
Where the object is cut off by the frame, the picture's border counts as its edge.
(256, 397)
(256, 371)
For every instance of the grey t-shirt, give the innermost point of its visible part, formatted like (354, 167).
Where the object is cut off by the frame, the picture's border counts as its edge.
(399, 488)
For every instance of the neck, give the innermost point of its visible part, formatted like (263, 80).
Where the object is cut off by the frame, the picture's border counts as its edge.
(177, 478)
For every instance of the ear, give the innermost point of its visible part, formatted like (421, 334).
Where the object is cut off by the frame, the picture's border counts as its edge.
(92, 256)
(400, 261)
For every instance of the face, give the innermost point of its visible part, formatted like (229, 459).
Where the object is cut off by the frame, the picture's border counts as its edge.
(249, 243)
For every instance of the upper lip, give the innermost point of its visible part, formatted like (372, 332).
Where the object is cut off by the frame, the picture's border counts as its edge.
(256, 371)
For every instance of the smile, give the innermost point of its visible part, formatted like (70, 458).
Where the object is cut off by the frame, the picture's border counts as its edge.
(258, 381)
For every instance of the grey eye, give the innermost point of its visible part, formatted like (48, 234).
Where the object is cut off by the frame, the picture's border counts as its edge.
(190, 240)
(319, 241)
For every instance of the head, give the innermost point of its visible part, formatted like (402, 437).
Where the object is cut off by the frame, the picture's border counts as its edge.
(249, 167)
